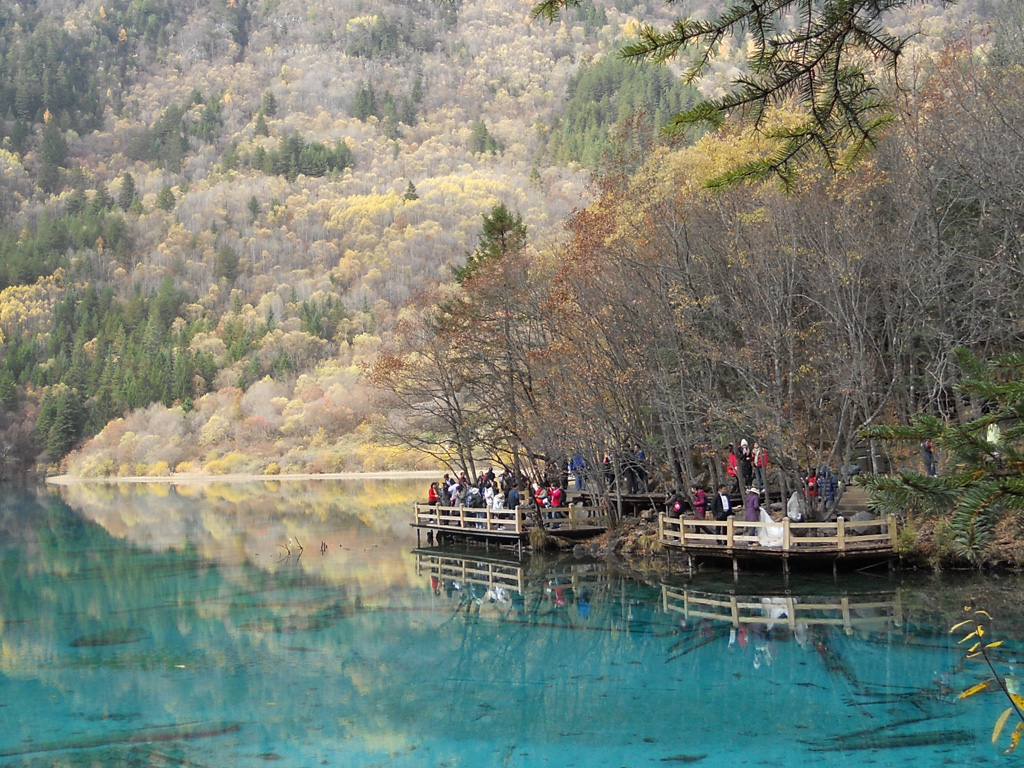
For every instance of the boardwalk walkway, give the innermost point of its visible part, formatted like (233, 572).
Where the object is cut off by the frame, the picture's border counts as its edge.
(767, 539)
(507, 526)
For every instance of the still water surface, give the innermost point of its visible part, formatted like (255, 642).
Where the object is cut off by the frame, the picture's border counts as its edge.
(162, 626)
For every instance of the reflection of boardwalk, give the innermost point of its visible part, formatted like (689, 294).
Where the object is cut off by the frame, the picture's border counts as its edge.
(507, 526)
(766, 540)
(861, 613)
(561, 593)
(487, 572)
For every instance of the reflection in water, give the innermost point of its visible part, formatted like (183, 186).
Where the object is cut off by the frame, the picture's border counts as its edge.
(167, 628)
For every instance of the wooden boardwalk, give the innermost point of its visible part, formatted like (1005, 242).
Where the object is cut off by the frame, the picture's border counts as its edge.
(509, 527)
(815, 544)
(851, 613)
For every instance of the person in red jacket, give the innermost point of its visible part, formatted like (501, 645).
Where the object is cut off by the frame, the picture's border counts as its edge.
(700, 501)
(760, 456)
(732, 469)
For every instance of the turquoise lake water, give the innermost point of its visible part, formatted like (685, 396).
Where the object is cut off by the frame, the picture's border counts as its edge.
(155, 626)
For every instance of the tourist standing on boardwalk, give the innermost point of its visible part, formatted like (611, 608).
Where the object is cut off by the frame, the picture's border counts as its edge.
(578, 466)
(674, 503)
(828, 489)
(746, 464)
(555, 496)
(700, 502)
(609, 470)
(721, 506)
(640, 468)
(731, 469)
(760, 456)
(752, 505)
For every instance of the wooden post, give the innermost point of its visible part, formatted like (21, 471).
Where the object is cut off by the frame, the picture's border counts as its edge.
(730, 532)
(785, 533)
(892, 533)
(661, 527)
(841, 532)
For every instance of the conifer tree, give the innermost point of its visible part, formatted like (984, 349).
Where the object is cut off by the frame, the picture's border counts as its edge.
(261, 128)
(126, 194)
(503, 233)
(53, 154)
(982, 479)
(165, 200)
(812, 51)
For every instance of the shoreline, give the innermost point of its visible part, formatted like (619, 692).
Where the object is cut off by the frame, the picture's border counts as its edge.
(195, 479)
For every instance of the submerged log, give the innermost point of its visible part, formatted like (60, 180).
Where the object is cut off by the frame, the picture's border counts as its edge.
(154, 734)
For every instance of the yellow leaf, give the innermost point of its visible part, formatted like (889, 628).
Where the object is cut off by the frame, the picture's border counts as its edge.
(1000, 723)
(1017, 699)
(955, 627)
(974, 648)
(1015, 739)
(996, 644)
(985, 614)
(975, 689)
(971, 636)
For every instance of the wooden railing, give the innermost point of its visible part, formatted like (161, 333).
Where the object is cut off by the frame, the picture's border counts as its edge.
(507, 522)
(862, 613)
(784, 536)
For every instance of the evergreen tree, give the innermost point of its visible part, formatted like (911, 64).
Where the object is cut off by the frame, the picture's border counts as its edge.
(261, 128)
(268, 104)
(8, 390)
(126, 194)
(480, 139)
(101, 200)
(228, 265)
(814, 62)
(365, 104)
(410, 192)
(165, 200)
(982, 480)
(502, 233)
(61, 421)
(53, 154)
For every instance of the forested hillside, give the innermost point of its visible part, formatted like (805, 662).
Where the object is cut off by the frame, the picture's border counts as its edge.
(210, 213)
(214, 217)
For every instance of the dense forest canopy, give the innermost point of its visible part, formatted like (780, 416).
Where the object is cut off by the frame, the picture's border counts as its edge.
(223, 225)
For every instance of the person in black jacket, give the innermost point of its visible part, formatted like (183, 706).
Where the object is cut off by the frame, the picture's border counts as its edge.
(721, 505)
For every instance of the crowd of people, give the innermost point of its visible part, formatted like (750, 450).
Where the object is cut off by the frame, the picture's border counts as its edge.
(498, 492)
(742, 492)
